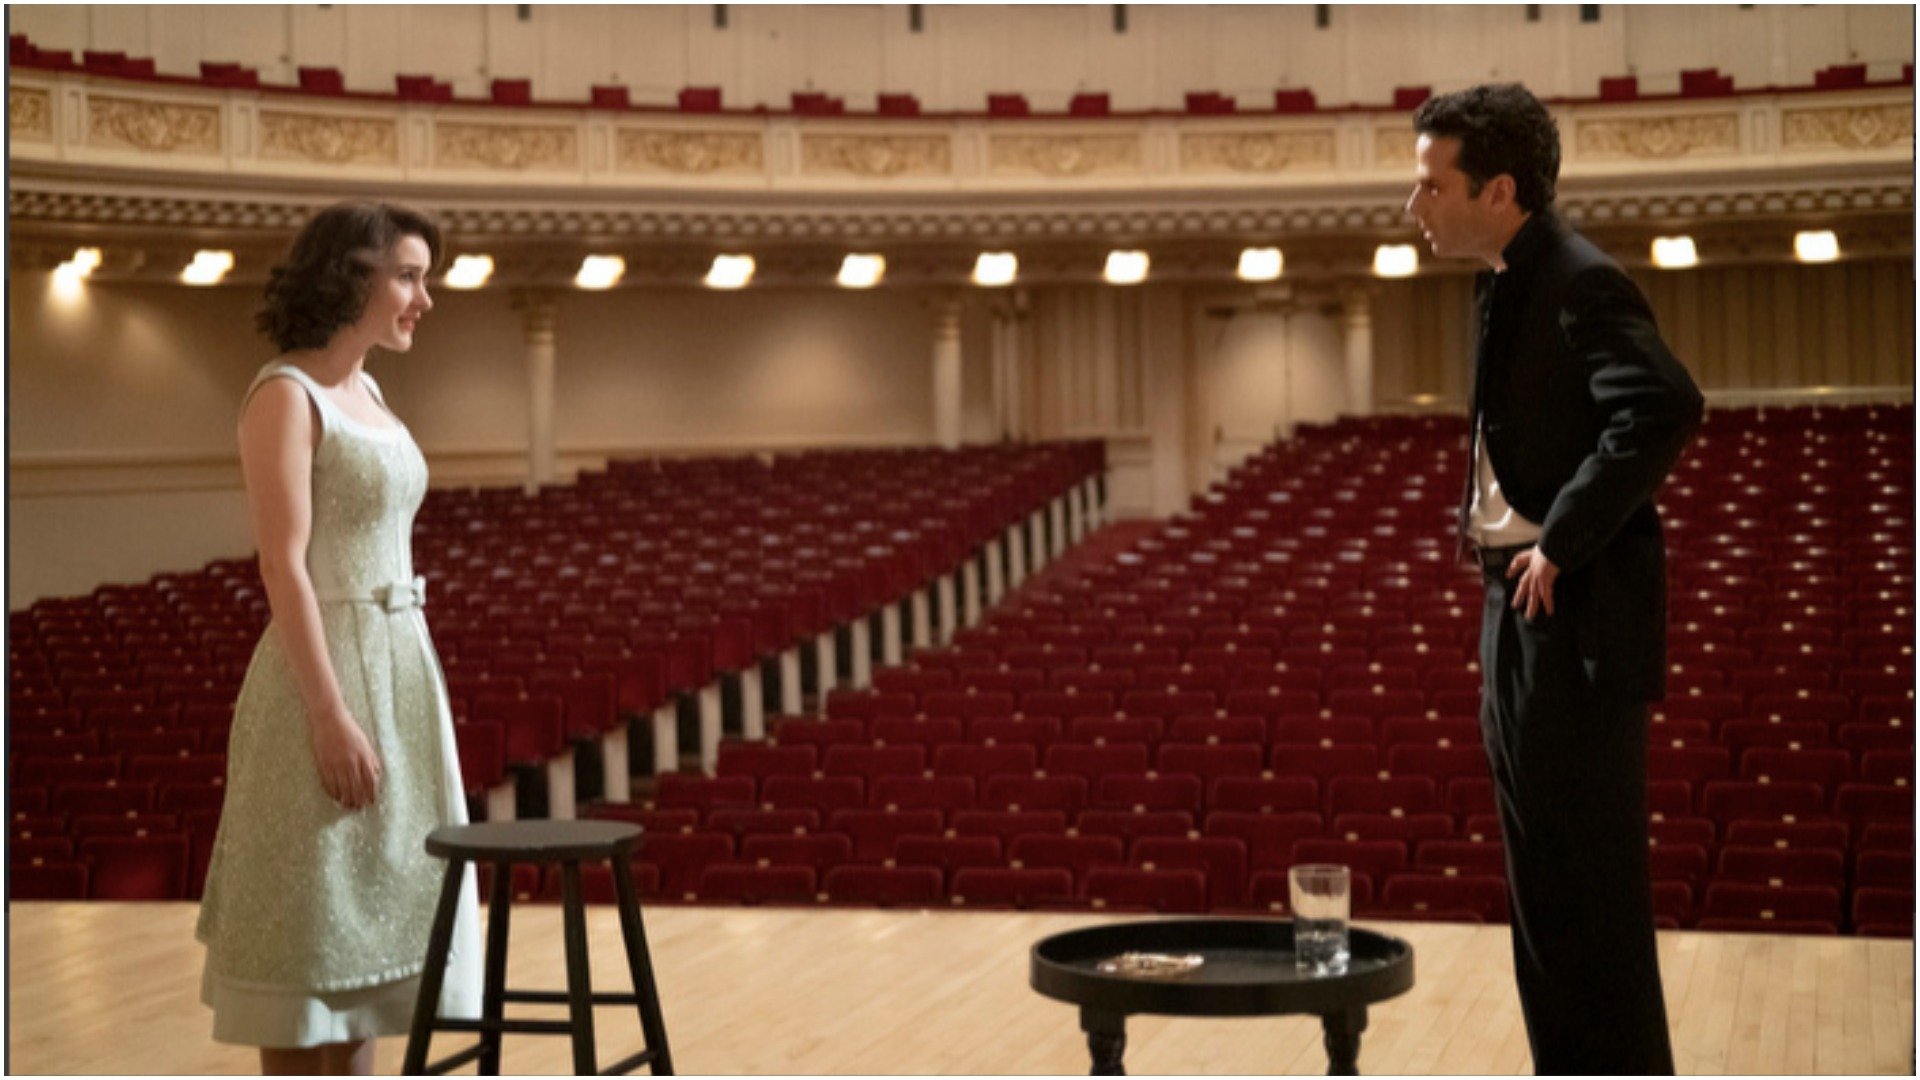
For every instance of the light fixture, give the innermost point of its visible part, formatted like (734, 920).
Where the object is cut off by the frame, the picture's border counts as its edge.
(730, 272)
(1261, 264)
(1674, 252)
(600, 271)
(67, 277)
(1395, 260)
(469, 271)
(996, 268)
(207, 267)
(1126, 267)
(862, 271)
(1816, 247)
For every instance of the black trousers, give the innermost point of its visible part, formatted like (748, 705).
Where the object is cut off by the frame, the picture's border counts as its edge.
(1570, 774)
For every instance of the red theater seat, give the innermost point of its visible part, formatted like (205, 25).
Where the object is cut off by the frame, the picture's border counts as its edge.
(1163, 891)
(1222, 860)
(1485, 897)
(1076, 854)
(879, 886)
(996, 887)
(818, 851)
(752, 885)
(874, 831)
(135, 868)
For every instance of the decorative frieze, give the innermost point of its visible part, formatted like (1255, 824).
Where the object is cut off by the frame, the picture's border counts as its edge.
(328, 140)
(156, 127)
(1393, 147)
(1861, 127)
(1659, 137)
(691, 152)
(1257, 151)
(510, 147)
(29, 113)
(1374, 209)
(877, 157)
(1065, 155)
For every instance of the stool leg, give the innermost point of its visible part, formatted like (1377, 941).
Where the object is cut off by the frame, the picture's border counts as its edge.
(439, 940)
(579, 978)
(640, 965)
(492, 1001)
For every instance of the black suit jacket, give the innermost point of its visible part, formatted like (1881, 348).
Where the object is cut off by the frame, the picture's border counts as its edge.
(1584, 413)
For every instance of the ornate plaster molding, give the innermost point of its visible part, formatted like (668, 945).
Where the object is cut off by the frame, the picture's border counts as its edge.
(508, 147)
(1395, 144)
(153, 127)
(163, 157)
(689, 152)
(877, 156)
(1868, 127)
(1658, 137)
(1257, 151)
(1064, 155)
(326, 139)
(1369, 211)
(30, 114)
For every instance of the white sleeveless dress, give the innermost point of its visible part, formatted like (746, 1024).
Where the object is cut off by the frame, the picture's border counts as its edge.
(315, 918)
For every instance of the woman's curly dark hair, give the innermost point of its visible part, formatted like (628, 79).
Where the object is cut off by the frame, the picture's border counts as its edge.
(323, 283)
(1502, 129)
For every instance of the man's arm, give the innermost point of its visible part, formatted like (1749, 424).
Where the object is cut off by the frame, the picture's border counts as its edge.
(1652, 405)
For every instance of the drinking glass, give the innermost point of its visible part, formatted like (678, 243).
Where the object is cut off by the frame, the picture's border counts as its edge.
(1322, 900)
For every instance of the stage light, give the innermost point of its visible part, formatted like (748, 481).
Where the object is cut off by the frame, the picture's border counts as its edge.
(600, 271)
(1261, 264)
(67, 279)
(1816, 247)
(1126, 267)
(1674, 252)
(996, 268)
(207, 267)
(862, 271)
(69, 275)
(1395, 260)
(469, 271)
(730, 272)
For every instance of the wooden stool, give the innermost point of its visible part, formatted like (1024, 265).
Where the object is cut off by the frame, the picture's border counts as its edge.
(505, 844)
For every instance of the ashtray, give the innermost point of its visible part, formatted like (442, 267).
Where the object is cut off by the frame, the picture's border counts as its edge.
(1146, 965)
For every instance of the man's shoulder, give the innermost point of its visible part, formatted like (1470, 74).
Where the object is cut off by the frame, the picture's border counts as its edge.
(1569, 254)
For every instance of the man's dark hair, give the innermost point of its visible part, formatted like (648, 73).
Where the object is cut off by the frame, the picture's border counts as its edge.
(324, 282)
(1502, 129)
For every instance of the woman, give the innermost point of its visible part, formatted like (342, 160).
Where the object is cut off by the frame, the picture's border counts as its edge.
(320, 893)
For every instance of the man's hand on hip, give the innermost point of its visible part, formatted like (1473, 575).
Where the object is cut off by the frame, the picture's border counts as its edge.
(1535, 591)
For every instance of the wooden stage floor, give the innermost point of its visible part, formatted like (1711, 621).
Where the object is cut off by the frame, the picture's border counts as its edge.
(113, 989)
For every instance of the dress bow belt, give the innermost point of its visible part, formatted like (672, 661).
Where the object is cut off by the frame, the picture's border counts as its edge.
(395, 596)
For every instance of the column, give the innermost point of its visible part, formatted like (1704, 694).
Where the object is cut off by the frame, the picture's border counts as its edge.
(946, 372)
(538, 312)
(1356, 319)
(1008, 376)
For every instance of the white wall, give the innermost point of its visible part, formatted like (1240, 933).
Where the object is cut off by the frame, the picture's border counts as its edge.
(124, 404)
(964, 52)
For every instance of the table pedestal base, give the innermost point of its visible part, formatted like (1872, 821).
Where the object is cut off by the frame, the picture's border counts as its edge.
(1107, 1041)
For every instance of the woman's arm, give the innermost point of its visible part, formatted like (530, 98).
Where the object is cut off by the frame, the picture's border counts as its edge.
(276, 457)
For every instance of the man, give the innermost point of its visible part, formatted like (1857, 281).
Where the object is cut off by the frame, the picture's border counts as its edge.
(1578, 414)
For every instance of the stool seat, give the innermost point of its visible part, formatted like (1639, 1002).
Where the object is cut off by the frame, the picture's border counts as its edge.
(505, 844)
(533, 841)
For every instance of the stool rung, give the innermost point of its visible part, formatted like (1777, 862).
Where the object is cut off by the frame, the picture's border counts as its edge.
(560, 997)
(507, 1027)
(628, 1064)
(454, 1061)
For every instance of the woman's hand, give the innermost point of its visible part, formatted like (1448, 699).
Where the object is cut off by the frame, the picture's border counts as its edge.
(349, 768)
